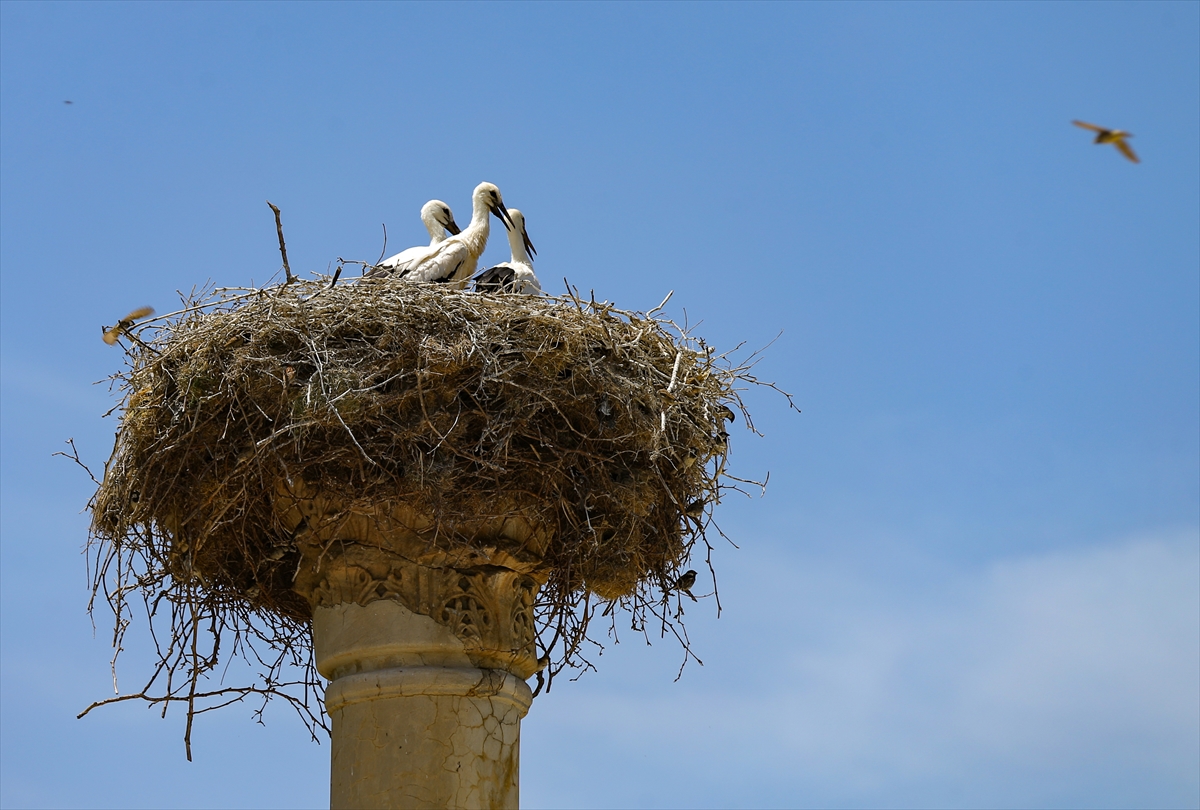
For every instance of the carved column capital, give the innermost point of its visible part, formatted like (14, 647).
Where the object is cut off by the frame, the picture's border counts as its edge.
(490, 611)
(479, 582)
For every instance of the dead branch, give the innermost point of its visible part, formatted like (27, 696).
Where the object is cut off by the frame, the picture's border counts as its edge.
(282, 247)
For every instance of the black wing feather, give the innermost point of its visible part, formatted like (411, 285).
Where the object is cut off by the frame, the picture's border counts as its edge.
(495, 279)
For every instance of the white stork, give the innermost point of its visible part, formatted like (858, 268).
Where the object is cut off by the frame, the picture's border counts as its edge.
(514, 276)
(453, 261)
(438, 219)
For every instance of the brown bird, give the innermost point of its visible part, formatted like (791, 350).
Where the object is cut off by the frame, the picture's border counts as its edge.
(111, 335)
(1114, 136)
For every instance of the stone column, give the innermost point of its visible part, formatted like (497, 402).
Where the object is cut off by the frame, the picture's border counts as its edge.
(426, 649)
(415, 722)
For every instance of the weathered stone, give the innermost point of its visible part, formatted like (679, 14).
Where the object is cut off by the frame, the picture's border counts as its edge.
(427, 649)
(415, 723)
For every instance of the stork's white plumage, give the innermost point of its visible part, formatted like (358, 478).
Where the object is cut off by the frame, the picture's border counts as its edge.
(454, 260)
(514, 276)
(438, 220)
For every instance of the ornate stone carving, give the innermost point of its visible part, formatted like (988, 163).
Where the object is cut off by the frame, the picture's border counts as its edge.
(490, 611)
(352, 583)
(466, 614)
(481, 586)
(521, 616)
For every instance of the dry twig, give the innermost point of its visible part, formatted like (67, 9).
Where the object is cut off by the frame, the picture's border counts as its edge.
(282, 247)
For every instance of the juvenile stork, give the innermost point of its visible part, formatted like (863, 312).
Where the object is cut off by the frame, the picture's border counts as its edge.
(453, 261)
(514, 276)
(438, 220)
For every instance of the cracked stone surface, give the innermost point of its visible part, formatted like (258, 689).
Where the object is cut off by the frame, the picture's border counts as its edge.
(426, 751)
(415, 723)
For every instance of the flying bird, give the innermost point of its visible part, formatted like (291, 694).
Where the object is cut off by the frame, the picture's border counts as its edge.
(111, 335)
(514, 276)
(1114, 136)
(438, 220)
(453, 261)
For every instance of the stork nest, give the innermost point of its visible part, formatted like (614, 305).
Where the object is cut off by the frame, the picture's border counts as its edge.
(604, 430)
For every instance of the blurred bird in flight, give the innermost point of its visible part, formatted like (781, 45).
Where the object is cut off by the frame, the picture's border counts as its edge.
(111, 335)
(1114, 136)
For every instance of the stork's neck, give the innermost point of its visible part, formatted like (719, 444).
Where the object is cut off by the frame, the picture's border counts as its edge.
(476, 234)
(480, 211)
(516, 241)
(437, 232)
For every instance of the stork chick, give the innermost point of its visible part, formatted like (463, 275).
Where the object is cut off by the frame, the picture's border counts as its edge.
(438, 220)
(454, 260)
(514, 276)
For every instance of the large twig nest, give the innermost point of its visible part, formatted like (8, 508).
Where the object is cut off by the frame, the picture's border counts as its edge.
(599, 430)
(582, 445)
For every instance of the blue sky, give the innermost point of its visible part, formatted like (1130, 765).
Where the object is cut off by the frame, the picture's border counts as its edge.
(975, 577)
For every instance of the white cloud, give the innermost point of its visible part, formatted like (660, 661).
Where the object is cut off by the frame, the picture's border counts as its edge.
(1068, 679)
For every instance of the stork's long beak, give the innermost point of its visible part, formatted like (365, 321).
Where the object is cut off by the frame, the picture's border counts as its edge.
(528, 244)
(452, 226)
(502, 214)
